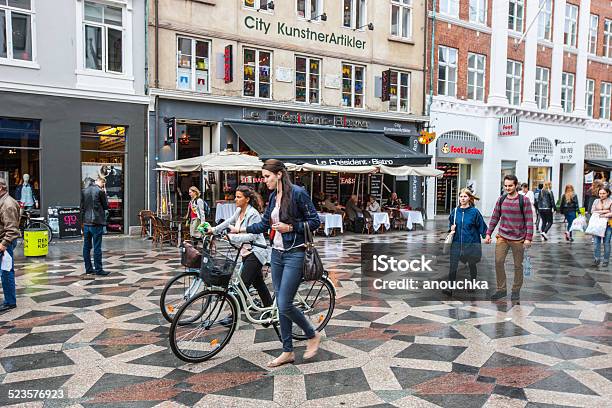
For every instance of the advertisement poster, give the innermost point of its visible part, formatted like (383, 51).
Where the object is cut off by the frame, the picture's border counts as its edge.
(69, 222)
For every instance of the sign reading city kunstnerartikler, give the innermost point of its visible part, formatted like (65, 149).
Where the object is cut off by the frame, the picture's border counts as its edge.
(345, 40)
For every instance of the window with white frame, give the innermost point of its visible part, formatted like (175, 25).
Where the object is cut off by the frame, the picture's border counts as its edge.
(590, 96)
(307, 80)
(257, 4)
(16, 38)
(541, 87)
(450, 7)
(447, 71)
(594, 24)
(309, 9)
(545, 20)
(605, 98)
(516, 11)
(607, 38)
(514, 73)
(570, 32)
(401, 18)
(567, 92)
(103, 28)
(193, 64)
(478, 11)
(476, 77)
(399, 95)
(353, 85)
(257, 68)
(354, 13)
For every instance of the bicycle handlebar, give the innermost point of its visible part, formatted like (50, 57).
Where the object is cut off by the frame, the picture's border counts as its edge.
(224, 235)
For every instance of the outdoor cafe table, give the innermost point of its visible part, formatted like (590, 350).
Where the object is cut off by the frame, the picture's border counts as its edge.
(331, 221)
(380, 218)
(412, 217)
(224, 211)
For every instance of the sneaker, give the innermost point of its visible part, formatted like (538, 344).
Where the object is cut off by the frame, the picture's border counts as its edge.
(516, 296)
(102, 273)
(544, 236)
(605, 264)
(499, 294)
(596, 262)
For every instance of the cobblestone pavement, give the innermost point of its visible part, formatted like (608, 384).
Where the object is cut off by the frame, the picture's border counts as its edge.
(103, 342)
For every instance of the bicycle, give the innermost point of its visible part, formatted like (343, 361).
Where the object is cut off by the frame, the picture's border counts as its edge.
(205, 323)
(27, 221)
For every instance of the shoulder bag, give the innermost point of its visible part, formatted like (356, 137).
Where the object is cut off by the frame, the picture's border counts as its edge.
(313, 266)
(448, 241)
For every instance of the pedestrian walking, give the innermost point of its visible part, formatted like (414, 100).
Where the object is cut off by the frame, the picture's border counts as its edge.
(9, 232)
(536, 196)
(196, 212)
(569, 207)
(94, 205)
(603, 207)
(469, 226)
(592, 195)
(513, 214)
(531, 196)
(289, 208)
(546, 207)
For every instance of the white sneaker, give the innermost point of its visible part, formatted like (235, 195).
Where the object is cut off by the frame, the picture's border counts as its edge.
(544, 236)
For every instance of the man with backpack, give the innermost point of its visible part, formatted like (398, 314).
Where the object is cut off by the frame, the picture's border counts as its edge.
(515, 218)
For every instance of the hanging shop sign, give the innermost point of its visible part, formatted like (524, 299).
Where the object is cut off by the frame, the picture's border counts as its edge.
(566, 154)
(228, 64)
(386, 85)
(508, 126)
(542, 160)
(464, 149)
(302, 118)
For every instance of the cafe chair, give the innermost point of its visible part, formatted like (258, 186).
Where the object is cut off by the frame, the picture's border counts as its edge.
(368, 224)
(146, 223)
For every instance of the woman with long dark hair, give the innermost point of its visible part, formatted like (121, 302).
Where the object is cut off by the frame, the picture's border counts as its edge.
(569, 207)
(289, 208)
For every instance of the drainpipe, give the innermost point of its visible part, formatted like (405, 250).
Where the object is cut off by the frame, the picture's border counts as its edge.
(146, 60)
(156, 45)
(431, 61)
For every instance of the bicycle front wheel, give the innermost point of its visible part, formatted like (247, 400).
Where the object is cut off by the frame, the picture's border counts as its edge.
(41, 225)
(203, 326)
(316, 299)
(176, 293)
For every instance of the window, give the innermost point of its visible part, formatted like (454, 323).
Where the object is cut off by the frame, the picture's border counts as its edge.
(353, 85)
(476, 77)
(257, 68)
(399, 96)
(307, 79)
(545, 20)
(401, 18)
(541, 88)
(193, 65)
(567, 92)
(513, 82)
(515, 15)
(103, 25)
(593, 34)
(16, 29)
(447, 71)
(450, 7)
(354, 13)
(571, 25)
(257, 4)
(590, 96)
(478, 11)
(605, 98)
(608, 38)
(309, 9)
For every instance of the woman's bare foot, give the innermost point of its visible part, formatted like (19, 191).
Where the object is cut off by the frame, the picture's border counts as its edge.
(284, 358)
(312, 346)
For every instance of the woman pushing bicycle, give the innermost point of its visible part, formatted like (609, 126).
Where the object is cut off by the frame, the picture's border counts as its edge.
(288, 209)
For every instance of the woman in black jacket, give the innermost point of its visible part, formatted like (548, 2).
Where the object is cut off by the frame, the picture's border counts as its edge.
(546, 206)
(569, 206)
(289, 208)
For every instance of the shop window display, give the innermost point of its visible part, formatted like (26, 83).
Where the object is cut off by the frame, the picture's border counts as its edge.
(103, 150)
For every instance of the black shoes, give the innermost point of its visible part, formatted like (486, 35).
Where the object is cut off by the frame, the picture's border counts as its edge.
(447, 292)
(605, 264)
(515, 296)
(103, 273)
(499, 294)
(596, 263)
(5, 308)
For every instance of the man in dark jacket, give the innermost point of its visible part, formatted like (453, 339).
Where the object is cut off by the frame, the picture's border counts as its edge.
(9, 232)
(94, 205)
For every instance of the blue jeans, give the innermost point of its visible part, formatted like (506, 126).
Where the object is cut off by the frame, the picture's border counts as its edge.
(570, 217)
(287, 270)
(92, 233)
(8, 279)
(606, 244)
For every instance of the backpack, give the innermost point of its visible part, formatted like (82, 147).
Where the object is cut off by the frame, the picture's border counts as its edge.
(521, 205)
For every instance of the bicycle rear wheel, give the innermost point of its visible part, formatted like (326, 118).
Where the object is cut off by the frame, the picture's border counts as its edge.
(316, 299)
(41, 225)
(176, 293)
(203, 326)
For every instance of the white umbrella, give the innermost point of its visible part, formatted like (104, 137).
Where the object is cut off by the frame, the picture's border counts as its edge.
(214, 161)
(411, 171)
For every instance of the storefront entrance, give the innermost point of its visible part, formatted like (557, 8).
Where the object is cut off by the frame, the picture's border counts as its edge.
(538, 175)
(455, 178)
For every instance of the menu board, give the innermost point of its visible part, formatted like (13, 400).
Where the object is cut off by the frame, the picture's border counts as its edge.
(376, 185)
(69, 222)
(331, 184)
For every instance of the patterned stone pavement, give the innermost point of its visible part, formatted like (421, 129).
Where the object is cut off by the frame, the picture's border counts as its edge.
(103, 342)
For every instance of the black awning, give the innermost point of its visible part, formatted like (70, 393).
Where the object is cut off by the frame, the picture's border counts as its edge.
(603, 164)
(319, 145)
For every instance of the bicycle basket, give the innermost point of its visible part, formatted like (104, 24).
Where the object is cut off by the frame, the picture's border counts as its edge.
(217, 269)
(190, 256)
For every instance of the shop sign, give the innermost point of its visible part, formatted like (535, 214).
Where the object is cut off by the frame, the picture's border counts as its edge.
(347, 180)
(566, 154)
(251, 179)
(540, 160)
(398, 129)
(69, 219)
(465, 149)
(355, 162)
(386, 85)
(228, 64)
(508, 126)
(301, 118)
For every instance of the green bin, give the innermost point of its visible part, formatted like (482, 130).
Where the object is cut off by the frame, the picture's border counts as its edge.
(36, 242)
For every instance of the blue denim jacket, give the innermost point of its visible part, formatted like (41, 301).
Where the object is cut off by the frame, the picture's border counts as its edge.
(303, 210)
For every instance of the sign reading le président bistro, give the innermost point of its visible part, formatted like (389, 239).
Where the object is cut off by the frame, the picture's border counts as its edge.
(345, 40)
(465, 149)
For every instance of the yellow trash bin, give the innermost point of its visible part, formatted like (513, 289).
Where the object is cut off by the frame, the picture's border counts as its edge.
(36, 242)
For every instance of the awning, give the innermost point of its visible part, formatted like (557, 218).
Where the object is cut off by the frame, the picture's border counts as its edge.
(214, 161)
(603, 164)
(325, 146)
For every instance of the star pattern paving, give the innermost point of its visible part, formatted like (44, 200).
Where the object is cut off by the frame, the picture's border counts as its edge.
(104, 341)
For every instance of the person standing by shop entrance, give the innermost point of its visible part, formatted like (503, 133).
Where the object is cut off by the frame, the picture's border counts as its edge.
(546, 207)
(9, 232)
(513, 214)
(94, 205)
